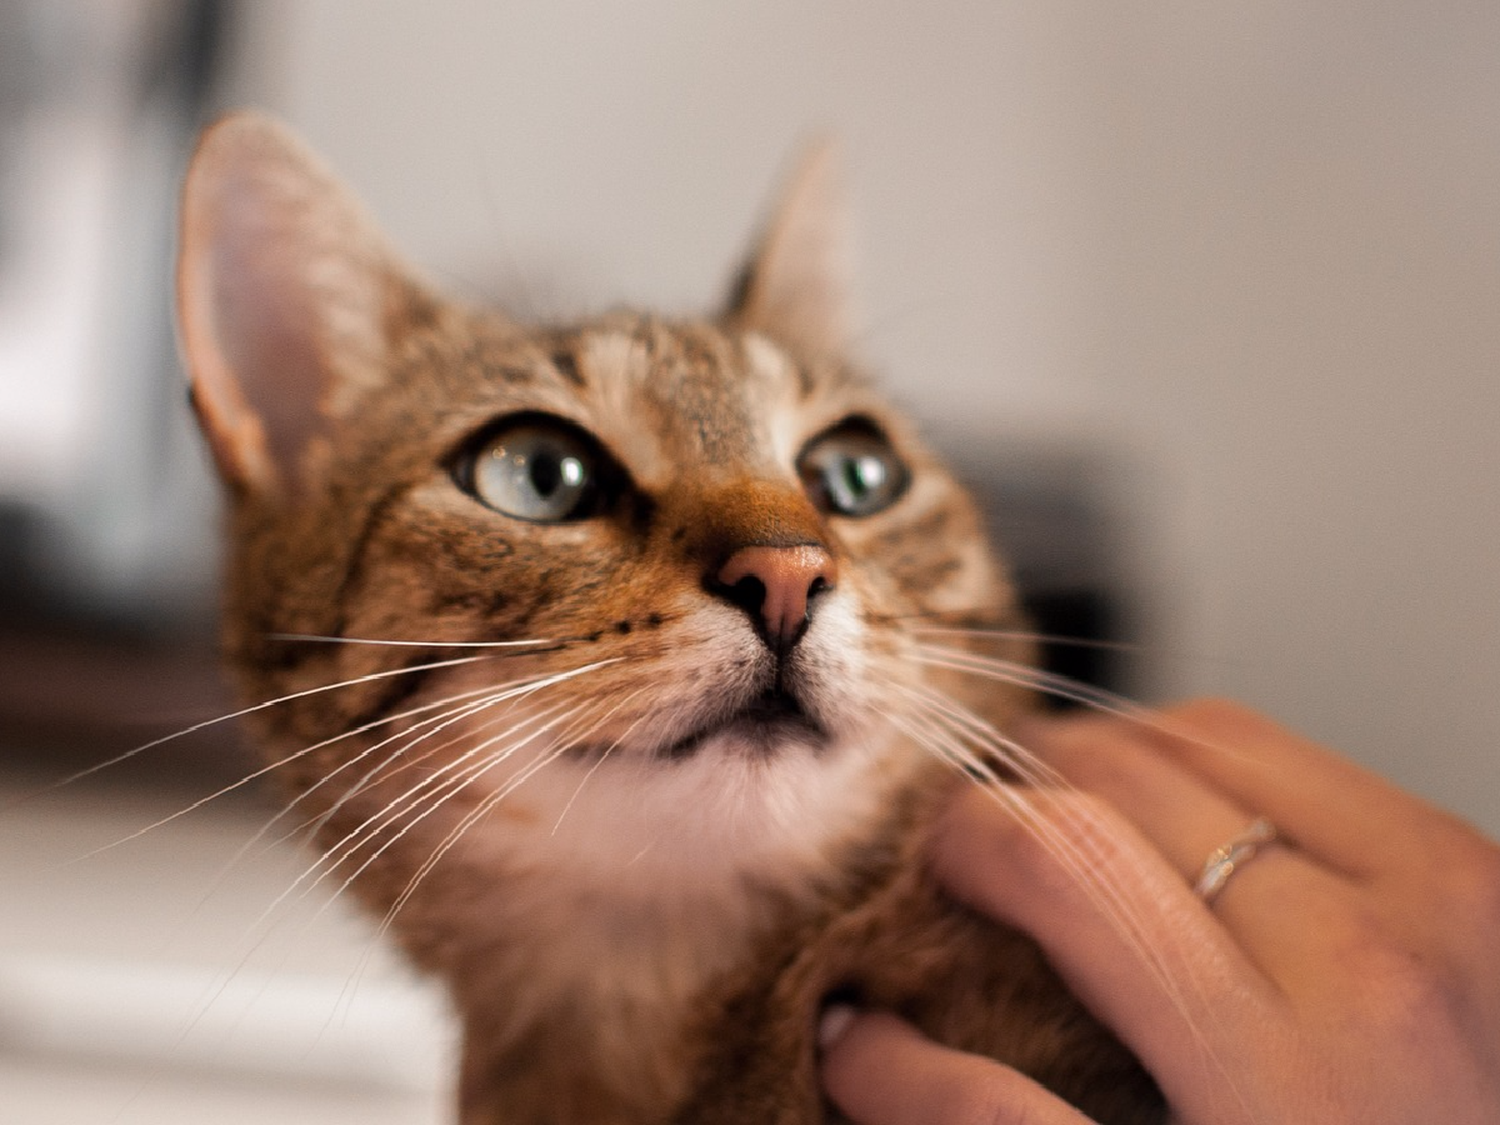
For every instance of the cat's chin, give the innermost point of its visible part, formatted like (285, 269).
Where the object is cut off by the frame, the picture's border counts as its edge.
(769, 725)
(768, 802)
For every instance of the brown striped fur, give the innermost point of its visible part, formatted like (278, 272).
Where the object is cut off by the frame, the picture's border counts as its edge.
(630, 935)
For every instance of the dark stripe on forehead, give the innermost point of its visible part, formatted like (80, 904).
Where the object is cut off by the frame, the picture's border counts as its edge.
(354, 564)
(567, 366)
(517, 376)
(804, 382)
(699, 350)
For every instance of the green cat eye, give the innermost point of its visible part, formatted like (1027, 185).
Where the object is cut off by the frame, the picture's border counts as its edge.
(535, 469)
(851, 470)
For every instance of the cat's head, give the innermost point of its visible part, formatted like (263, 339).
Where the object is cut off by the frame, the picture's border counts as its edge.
(709, 543)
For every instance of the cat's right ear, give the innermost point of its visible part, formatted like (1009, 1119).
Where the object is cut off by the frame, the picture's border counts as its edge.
(796, 286)
(287, 298)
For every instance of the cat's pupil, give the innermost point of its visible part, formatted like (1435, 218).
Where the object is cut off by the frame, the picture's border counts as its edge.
(863, 475)
(550, 472)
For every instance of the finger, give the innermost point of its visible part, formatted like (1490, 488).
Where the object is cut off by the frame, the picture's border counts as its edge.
(1324, 802)
(1179, 812)
(880, 1071)
(1433, 880)
(1118, 923)
(1187, 820)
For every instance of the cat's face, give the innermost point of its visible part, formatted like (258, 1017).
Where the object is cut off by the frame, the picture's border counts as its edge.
(647, 564)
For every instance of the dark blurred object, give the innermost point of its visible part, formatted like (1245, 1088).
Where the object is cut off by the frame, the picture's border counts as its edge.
(99, 102)
(106, 529)
(1045, 511)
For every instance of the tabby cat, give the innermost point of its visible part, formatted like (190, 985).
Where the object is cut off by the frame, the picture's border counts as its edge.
(620, 661)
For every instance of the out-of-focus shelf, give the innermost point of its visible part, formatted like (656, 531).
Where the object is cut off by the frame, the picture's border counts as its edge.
(161, 963)
(73, 697)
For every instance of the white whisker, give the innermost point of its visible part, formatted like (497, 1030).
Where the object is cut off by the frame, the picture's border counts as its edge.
(492, 696)
(253, 708)
(1057, 639)
(476, 814)
(1064, 687)
(326, 864)
(314, 637)
(1022, 675)
(437, 799)
(1030, 768)
(438, 722)
(449, 781)
(262, 772)
(444, 784)
(604, 754)
(331, 858)
(1085, 861)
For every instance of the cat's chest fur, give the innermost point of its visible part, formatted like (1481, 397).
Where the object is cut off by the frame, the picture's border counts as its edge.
(621, 664)
(626, 885)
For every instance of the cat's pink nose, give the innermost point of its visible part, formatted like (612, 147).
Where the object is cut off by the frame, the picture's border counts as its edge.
(774, 586)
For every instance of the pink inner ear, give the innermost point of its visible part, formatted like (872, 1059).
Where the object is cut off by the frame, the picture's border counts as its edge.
(797, 282)
(281, 285)
(233, 430)
(267, 326)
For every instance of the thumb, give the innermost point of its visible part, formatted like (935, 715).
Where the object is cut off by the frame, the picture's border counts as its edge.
(879, 1070)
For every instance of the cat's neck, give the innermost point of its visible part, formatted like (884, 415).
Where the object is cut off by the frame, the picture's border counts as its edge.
(613, 900)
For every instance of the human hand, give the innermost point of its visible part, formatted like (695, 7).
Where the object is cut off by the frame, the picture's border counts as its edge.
(1350, 973)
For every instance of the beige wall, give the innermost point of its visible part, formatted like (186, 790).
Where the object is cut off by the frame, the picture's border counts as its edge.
(1251, 252)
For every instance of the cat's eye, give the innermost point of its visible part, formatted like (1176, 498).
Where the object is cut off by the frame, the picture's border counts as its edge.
(851, 470)
(535, 468)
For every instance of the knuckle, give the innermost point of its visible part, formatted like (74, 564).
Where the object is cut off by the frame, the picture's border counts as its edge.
(1093, 846)
(1225, 720)
(1214, 712)
(1084, 819)
(986, 1107)
(1472, 883)
(991, 841)
(1055, 832)
(990, 1097)
(1114, 760)
(1404, 998)
(1060, 740)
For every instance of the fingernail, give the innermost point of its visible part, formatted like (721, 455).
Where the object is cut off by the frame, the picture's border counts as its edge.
(834, 1022)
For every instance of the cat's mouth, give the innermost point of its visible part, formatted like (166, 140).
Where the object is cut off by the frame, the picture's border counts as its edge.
(763, 726)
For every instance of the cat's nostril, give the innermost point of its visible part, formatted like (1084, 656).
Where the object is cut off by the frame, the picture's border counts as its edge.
(774, 586)
(748, 593)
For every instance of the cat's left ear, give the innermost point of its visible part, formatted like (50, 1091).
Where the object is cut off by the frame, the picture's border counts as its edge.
(796, 286)
(289, 301)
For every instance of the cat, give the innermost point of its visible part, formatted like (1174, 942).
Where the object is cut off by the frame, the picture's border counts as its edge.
(623, 664)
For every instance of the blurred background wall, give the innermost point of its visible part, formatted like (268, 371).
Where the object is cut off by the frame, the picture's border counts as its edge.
(1248, 256)
(1230, 273)
(1245, 259)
